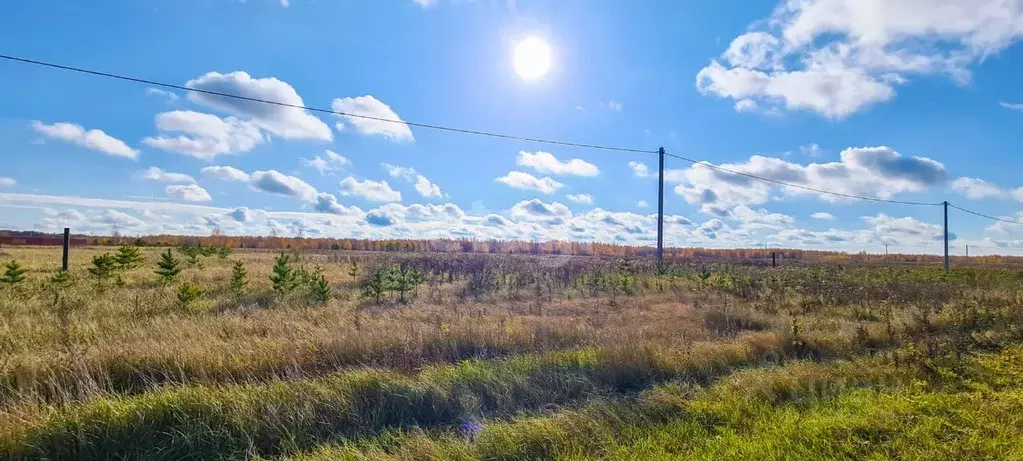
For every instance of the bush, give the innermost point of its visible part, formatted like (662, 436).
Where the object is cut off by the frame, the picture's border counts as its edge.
(188, 293)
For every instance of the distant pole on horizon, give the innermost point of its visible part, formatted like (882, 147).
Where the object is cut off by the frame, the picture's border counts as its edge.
(660, 206)
(945, 203)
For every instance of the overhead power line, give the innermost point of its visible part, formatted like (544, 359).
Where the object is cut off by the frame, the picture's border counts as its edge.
(321, 110)
(982, 215)
(460, 130)
(797, 186)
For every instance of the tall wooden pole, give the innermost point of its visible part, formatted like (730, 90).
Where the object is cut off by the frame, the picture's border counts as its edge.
(67, 243)
(660, 207)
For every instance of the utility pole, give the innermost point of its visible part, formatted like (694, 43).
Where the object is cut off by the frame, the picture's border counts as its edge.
(660, 208)
(945, 203)
(67, 243)
(886, 252)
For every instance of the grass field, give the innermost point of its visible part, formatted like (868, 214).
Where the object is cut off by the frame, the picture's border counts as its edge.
(351, 355)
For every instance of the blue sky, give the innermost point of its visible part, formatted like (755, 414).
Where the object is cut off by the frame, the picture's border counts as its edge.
(915, 100)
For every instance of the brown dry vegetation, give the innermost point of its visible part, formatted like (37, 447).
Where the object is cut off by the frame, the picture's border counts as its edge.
(123, 367)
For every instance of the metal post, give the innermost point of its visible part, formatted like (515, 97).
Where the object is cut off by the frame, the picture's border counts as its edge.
(660, 207)
(945, 203)
(67, 243)
(774, 259)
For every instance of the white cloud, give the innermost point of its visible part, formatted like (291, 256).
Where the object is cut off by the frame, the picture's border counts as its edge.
(95, 140)
(383, 122)
(188, 193)
(613, 105)
(203, 136)
(156, 174)
(838, 57)
(422, 184)
(823, 216)
(642, 204)
(906, 230)
(760, 217)
(868, 171)
(976, 189)
(170, 96)
(529, 220)
(227, 173)
(426, 188)
(377, 191)
(330, 162)
(812, 149)
(282, 121)
(425, 3)
(5, 181)
(526, 181)
(119, 219)
(585, 199)
(538, 210)
(745, 105)
(1017, 194)
(275, 182)
(1008, 105)
(639, 169)
(547, 163)
(327, 203)
(395, 171)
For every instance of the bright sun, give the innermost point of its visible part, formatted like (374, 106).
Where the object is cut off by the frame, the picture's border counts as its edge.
(532, 58)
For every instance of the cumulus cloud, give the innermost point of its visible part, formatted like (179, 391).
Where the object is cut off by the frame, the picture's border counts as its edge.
(275, 182)
(330, 161)
(976, 189)
(838, 57)
(639, 169)
(282, 121)
(421, 183)
(377, 191)
(868, 171)
(538, 210)
(383, 121)
(95, 140)
(227, 173)
(241, 214)
(5, 181)
(1011, 106)
(188, 192)
(156, 174)
(119, 219)
(905, 230)
(823, 216)
(426, 188)
(203, 136)
(585, 199)
(642, 204)
(547, 163)
(526, 181)
(327, 203)
(527, 220)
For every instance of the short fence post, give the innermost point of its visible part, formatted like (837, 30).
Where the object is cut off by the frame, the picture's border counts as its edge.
(67, 243)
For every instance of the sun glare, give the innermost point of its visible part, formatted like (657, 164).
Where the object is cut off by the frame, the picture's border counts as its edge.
(532, 58)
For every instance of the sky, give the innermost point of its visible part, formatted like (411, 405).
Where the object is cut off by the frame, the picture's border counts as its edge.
(906, 100)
